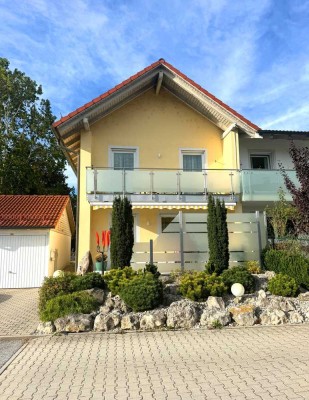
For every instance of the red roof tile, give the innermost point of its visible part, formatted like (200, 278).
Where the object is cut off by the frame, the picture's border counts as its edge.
(23, 211)
(142, 72)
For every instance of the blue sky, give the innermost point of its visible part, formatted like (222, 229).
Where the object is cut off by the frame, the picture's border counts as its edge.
(253, 55)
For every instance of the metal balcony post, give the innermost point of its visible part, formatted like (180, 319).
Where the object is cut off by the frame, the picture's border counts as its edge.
(178, 184)
(151, 173)
(232, 188)
(123, 182)
(95, 177)
(205, 185)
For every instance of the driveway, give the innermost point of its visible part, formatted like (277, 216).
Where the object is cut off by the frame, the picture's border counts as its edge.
(254, 363)
(18, 311)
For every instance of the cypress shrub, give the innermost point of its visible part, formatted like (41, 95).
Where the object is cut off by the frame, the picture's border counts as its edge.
(218, 239)
(122, 236)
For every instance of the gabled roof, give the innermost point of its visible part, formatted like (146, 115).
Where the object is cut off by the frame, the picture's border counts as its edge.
(32, 211)
(69, 127)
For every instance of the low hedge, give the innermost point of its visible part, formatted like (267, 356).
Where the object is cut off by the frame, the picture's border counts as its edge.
(239, 275)
(198, 286)
(283, 285)
(69, 283)
(291, 263)
(73, 303)
(142, 293)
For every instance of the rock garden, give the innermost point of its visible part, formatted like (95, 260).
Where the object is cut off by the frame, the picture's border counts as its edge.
(127, 300)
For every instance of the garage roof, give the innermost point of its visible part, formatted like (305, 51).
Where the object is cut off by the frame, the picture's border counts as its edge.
(34, 211)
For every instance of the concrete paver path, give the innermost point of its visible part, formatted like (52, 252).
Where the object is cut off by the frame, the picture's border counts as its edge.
(255, 363)
(18, 311)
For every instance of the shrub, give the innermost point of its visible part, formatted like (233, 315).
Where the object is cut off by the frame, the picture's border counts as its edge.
(198, 286)
(253, 267)
(153, 269)
(239, 275)
(291, 263)
(142, 293)
(283, 285)
(69, 283)
(117, 278)
(88, 281)
(73, 303)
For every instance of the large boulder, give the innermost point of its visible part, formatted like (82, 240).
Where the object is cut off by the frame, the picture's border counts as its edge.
(210, 317)
(114, 304)
(262, 300)
(74, 323)
(97, 294)
(295, 317)
(182, 314)
(45, 328)
(86, 264)
(107, 322)
(130, 321)
(303, 296)
(153, 319)
(244, 315)
(273, 317)
(215, 303)
(281, 303)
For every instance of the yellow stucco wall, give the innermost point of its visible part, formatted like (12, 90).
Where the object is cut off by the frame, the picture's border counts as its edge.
(59, 245)
(159, 126)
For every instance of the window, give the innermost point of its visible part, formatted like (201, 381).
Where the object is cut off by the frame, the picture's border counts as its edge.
(123, 158)
(260, 161)
(165, 221)
(192, 160)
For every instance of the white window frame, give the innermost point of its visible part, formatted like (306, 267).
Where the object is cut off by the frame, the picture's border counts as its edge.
(193, 152)
(260, 153)
(123, 149)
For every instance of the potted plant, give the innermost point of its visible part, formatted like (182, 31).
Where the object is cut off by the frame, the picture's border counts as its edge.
(99, 262)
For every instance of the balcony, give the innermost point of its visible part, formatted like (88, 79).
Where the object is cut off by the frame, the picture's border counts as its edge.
(263, 185)
(162, 185)
(147, 186)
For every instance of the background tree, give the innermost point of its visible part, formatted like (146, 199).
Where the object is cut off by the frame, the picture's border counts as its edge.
(300, 158)
(218, 239)
(31, 162)
(122, 236)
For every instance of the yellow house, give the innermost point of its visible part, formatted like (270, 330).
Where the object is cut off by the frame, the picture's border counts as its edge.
(166, 143)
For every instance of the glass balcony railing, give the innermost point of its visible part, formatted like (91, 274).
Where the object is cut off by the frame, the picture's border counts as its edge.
(254, 185)
(162, 181)
(263, 185)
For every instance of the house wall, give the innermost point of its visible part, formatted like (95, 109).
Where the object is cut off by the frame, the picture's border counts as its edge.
(159, 126)
(278, 149)
(59, 245)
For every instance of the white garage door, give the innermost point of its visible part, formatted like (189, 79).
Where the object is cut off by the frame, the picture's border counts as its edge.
(23, 260)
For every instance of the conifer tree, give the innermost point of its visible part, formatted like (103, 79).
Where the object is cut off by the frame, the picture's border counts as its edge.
(122, 236)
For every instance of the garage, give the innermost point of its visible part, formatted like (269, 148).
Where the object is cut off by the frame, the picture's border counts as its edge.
(23, 260)
(35, 238)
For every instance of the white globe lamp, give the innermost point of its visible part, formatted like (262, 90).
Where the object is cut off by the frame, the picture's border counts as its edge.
(58, 273)
(237, 290)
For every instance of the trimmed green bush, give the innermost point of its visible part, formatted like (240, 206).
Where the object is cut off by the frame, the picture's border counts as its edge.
(239, 275)
(117, 278)
(292, 263)
(283, 285)
(69, 283)
(198, 286)
(73, 303)
(253, 267)
(153, 269)
(144, 292)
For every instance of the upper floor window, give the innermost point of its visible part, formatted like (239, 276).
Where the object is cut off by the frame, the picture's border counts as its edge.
(192, 160)
(260, 161)
(123, 158)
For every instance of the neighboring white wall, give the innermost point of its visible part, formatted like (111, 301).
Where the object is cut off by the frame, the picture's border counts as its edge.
(279, 149)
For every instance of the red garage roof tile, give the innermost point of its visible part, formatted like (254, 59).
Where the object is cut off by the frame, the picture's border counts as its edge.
(23, 211)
